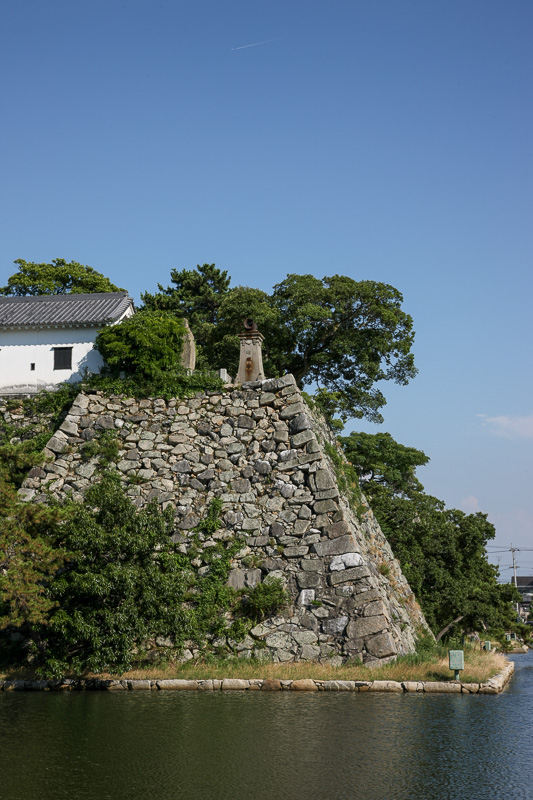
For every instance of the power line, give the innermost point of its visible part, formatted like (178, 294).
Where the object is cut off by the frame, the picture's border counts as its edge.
(507, 549)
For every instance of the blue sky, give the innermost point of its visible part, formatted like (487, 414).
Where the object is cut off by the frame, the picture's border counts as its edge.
(388, 140)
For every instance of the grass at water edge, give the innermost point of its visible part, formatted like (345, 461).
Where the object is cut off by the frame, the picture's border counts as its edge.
(479, 667)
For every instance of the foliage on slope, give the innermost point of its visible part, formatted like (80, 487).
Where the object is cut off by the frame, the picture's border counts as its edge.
(442, 551)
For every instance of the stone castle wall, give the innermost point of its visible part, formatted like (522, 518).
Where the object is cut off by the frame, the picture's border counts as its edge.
(262, 451)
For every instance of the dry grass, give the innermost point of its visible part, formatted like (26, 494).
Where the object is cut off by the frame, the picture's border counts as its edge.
(479, 667)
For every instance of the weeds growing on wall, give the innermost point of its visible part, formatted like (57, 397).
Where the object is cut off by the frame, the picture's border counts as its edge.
(53, 404)
(265, 599)
(17, 458)
(347, 479)
(105, 446)
(212, 521)
(174, 384)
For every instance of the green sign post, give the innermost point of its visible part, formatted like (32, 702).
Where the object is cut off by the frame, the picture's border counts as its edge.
(456, 660)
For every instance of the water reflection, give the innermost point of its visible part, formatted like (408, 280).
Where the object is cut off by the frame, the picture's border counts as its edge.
(181, 745)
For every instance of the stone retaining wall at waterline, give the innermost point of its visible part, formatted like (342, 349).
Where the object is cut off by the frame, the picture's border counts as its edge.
(494, 685)
(261, 451)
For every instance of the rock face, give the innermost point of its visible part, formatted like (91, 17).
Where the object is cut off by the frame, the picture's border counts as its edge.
(262, 451)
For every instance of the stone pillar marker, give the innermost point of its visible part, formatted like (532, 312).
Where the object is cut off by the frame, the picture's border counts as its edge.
(251, 358)
(188, 354)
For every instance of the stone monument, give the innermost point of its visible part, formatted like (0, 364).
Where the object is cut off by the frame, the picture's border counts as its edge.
(188, 354)
(251, 358)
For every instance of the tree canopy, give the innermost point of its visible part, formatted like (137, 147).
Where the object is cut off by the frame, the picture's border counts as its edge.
(340, 335)
(148, 344)
(59, 277)
(380, 459)
(28, 560)
(442, 551)
(122, 582)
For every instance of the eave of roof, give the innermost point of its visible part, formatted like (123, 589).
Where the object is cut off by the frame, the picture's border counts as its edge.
(62, 311)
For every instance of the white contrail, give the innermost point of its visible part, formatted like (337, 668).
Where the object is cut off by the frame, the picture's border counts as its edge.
(255, 44)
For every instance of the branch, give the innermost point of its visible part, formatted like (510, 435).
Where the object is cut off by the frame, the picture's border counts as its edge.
(441, 633)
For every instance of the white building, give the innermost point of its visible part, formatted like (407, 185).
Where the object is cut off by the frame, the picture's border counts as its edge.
(48, 339)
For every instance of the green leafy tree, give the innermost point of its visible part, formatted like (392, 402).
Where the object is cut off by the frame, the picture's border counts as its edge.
(380, 459)
(17, 458)
(28, 561)
(125, 582)
(121, 583)
(59, 277)
(147, 345)
(196, 295)
(344, 336)
(442, 551)
(340, 335)
(443, 556)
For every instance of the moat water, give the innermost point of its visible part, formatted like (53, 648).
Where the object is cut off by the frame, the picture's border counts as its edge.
(233, 745)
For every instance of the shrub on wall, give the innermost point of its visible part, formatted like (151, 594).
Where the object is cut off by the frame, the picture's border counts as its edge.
(147, 345)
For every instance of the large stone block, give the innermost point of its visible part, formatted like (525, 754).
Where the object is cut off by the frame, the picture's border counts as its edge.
(69, 427)
(139, 685)
(345, 561)
(334, 547)
(308, 580)
(360, 600)
(376, 608)
(271, 685)
(105, 422)
(236, 579)
(324, 480)
(310, 652)
(366, 626)
(291, 411)
(306, 597)
(441, 687)
(57, 444)
(353, 574)
(279, 640)
(178, 685)
(380, 646)
(385, 686)
(295, 552)
(304, 685)
(305, 637)
(323, 506)
(335, 626)
(340, 528)
(300, 422)
(235, 683)
(299, 439)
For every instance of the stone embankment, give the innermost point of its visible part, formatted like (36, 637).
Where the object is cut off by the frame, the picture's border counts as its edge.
(19, 424)
(278, 472)
(495, 685)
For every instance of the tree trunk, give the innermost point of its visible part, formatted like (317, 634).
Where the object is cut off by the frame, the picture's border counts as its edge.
(441, 633)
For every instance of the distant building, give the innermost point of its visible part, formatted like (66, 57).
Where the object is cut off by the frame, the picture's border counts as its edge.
(525, 587)
(524, 584)
(48, 339)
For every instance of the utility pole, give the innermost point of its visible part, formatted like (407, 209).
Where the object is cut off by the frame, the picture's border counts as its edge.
(513, 551)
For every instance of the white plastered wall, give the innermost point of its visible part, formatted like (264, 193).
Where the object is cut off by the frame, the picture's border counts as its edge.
(20, 349)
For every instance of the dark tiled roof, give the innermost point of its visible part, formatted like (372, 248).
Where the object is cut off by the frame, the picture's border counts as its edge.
(51, 311)
(524, 581)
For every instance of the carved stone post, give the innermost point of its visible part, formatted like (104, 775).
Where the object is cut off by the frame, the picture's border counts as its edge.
(188, 354)
(251, 358)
